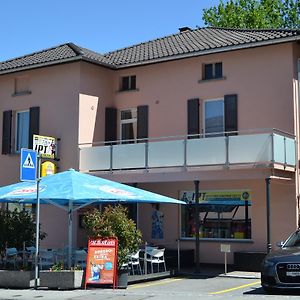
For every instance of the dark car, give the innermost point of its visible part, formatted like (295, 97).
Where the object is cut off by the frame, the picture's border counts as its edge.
(281, 268)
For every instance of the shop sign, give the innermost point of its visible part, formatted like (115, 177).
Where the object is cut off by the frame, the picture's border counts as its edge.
(208, 196)
(47, 168)
(101, 266)
(45, 146)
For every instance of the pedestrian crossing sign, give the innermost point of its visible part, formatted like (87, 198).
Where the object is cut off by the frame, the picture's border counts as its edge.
(28, 165)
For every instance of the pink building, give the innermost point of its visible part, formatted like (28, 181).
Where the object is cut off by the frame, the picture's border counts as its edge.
(210, 106)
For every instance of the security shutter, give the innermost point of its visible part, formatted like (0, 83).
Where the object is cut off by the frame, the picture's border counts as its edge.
(142, 122)
(6, 132)
(193, 116)
(34, 124)
(110, 124)
(231, 115)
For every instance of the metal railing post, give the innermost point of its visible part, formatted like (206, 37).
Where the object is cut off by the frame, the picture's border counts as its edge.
(178, 255)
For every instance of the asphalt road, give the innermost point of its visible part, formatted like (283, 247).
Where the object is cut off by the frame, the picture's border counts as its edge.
(181, 288)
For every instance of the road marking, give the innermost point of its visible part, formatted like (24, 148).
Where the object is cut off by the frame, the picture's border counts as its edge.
(142, 285)
(235, 288)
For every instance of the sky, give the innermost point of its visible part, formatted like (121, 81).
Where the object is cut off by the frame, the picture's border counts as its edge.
(27, 26)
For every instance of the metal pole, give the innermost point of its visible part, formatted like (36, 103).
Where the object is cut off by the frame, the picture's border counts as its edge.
(197, 225)
(225, 263)
(178, 255)
(70, 234)
(37, 231)
(268, 206)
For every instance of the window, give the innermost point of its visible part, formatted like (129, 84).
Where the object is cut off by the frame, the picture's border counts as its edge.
(18, 129)
(128, 125)
(222, 214)
(128, 83)
(212, 71)
(22, 130)
(22, 85)
(213, 118)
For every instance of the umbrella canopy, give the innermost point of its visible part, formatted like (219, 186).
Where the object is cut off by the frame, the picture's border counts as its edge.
(80, 189)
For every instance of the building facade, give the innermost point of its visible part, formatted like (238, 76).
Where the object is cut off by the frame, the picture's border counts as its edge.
(210, 106)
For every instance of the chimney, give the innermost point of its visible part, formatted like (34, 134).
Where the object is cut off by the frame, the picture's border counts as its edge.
(184, 29)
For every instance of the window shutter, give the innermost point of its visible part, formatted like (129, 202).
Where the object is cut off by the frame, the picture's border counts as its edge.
(231, 116)
(142, 121)
(110, 124)
(193, 116)
(34, 124)
(6, 132)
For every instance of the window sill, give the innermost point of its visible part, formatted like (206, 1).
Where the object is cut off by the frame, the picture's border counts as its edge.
(124, 91)
(186, 239)
(213, 79)
(21, 93)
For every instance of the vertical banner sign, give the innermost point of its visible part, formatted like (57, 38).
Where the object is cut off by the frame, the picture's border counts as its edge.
(101, 266)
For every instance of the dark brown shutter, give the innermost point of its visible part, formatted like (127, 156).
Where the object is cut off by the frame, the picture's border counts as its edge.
(6, 132)
(34, 124)
(142, 122)
(110, 124)
(231, 114)
(193, 116)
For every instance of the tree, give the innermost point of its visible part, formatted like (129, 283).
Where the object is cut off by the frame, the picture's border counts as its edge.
(254, 14)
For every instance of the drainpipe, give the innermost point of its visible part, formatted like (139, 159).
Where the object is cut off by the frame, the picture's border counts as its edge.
(268, 206)
(197, 226)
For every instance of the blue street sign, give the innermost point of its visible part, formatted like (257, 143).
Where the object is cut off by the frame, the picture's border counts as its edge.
(28, 165)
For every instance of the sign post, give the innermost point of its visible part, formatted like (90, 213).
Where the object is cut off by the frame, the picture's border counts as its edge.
(226, 249)
(101, 265)
(30, 171)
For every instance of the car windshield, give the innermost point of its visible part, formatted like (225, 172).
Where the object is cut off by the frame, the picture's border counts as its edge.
(293, 240)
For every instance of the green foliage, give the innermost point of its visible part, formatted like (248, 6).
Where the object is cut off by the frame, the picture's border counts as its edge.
(254, 14)
(114, 222)
(16, 227)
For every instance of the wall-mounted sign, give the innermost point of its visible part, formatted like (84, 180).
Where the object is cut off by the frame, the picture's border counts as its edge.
(45, 146)
(101, 265)
(217, 197)
(47, 168)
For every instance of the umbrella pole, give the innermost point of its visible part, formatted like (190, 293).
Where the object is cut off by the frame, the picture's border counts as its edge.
(37, 234)
(70, 234)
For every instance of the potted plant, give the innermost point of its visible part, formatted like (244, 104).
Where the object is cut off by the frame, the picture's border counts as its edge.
(114, 222)
(17, 229)
(57, 277)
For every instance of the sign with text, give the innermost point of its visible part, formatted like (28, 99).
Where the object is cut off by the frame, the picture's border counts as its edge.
(45, 146)
(101, 266)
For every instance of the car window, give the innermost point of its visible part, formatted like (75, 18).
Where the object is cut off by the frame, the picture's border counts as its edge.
(293, 240)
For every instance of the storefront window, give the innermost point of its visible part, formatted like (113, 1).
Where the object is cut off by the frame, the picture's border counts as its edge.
(222, 214)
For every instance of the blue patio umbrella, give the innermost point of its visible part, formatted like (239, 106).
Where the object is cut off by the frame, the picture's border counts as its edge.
(72, 190)
(80, 189)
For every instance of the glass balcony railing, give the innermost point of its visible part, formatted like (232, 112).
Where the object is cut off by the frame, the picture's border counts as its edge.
(247, 148)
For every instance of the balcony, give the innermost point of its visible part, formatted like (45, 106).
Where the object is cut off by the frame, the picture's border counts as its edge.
(267, 148)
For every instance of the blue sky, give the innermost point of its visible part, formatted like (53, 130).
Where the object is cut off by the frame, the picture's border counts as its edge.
(27, 26)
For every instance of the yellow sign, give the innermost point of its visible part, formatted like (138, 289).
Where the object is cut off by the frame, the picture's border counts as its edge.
(48, 168)
(45, 146)
(210, 196)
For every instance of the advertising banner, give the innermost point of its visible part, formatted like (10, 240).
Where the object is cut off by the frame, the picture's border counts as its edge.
(215, 197)
(45, 146)
(101, 267)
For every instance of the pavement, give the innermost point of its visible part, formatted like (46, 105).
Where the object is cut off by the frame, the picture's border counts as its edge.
(90, 294)
(218, 271)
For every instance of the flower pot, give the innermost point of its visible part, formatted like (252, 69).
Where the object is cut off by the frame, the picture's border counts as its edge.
(16, 279)
(122, 278)
(65, 279)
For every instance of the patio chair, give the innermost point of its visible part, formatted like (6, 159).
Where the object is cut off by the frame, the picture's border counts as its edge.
(46, 259)
(79, 258)
(12, 257)
(156, 256)
(134, 261)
